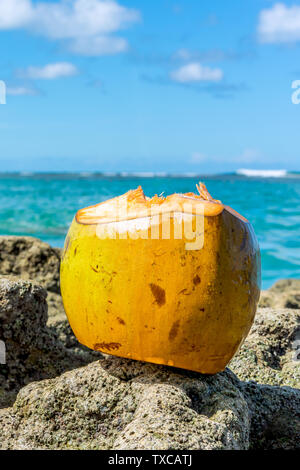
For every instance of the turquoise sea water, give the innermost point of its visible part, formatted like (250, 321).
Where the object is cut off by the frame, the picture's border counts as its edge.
(43, 206)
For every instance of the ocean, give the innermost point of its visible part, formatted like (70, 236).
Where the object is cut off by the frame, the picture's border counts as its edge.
(43, 206)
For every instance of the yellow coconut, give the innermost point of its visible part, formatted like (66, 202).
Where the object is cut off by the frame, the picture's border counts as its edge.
(171, 280)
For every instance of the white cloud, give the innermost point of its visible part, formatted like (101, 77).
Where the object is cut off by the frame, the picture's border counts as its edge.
(98, 45)
(76, 20)
(195, 72)
(50, 71)
(249, 155)
(198, 157)
(183, 54)
(279, 24)
(15, 13)
(20, 91)
(210, 55)
(79, 18)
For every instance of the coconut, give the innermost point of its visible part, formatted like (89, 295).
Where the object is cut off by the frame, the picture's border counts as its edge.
(170, 280)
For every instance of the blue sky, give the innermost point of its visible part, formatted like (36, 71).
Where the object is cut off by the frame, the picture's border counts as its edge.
(161, 85)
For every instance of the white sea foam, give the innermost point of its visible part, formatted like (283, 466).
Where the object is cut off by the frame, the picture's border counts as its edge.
(262, 173)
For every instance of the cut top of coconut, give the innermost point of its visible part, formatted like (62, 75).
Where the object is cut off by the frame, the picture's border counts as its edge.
(134, 204)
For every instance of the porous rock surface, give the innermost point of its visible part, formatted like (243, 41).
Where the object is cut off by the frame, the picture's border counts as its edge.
(271, 352)
(122, 404)
(283, 294)
(66, 400)
(33, 350)
(30, 259)
(274, 414)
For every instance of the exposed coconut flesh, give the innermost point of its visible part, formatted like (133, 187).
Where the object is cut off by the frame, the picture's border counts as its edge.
(135, 205)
